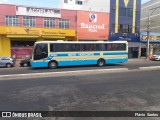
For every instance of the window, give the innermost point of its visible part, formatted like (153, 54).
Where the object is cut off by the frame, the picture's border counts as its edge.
(76, 47)
(64, 23)
(65, 1)
(79, 2)
(49, 23)
(12, 21)
(29, 21)
(5, 58)
(115, 47)
(57, 11)
(123, 28)
(40, 51)
(126, 12)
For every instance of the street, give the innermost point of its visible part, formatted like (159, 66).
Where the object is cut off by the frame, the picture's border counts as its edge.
(134, 90)
(132, 64)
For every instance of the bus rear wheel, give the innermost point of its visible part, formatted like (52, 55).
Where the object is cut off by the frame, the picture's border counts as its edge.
(53, 64)
(101, 62)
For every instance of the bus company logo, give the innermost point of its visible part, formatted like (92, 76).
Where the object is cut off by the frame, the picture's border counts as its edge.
(92, 17)
(6, 114)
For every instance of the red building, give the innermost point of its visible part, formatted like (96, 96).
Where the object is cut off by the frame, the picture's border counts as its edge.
(21, 26)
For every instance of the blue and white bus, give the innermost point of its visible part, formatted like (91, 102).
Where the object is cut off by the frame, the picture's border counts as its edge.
(62, 53)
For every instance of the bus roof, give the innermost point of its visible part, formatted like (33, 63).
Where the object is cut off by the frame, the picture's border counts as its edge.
(82, 42)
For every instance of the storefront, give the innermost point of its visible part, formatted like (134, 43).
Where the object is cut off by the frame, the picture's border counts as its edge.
(154, 41)
(20, 40)
(135, 49)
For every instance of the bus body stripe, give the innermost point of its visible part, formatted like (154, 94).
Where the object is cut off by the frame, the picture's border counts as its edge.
(79, 62)
(115, 53)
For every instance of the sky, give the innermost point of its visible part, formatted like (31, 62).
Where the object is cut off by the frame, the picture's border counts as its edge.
(40, 3)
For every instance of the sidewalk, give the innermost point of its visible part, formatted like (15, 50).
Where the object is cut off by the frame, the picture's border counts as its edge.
(17, 63)
(142, 59)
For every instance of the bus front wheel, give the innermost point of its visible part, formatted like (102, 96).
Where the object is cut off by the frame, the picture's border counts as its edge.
(101, 62)
(53, 64)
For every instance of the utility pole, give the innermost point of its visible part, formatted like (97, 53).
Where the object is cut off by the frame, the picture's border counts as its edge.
(148, 31)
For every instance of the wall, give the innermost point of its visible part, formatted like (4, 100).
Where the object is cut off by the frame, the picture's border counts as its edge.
(5, 49)
(10, 10)
(93, 25)
(134, 21)
(71, 15)
(88, 5)
(6, 10)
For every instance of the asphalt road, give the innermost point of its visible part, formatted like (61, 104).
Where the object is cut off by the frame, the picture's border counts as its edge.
(122, 91)
(132, 64)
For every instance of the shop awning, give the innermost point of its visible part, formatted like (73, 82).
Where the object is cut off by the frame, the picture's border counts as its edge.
(23, 36)
(53, 36)
(136, 44)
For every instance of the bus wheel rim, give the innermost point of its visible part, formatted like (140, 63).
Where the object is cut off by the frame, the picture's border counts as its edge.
(53, 64)
(101, 63)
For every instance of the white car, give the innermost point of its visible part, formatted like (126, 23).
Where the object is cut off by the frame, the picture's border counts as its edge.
(7, 62)
(156, 56)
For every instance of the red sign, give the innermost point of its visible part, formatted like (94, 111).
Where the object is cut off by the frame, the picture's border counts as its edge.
(21, 52)
(92, 25)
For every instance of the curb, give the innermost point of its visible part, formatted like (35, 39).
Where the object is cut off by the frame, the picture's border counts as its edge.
(149, 68)
(82, 72)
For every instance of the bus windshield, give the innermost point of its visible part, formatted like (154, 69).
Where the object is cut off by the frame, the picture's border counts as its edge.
(40, 51)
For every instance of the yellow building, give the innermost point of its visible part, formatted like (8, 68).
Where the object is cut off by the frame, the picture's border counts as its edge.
(24, 37)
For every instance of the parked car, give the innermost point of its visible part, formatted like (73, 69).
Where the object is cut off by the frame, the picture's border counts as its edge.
(7, 62)
(156, 56)
(25, 62)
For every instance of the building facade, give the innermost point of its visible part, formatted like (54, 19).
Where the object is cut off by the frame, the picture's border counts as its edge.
(87, 5)
(150, 28)
(124, 19)
(125, 24)
(83, 20)
(21, 26)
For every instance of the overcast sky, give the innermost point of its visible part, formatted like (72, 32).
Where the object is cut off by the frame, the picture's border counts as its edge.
(42, 3)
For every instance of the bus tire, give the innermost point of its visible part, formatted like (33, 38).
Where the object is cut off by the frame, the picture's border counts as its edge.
(53, 64)
(101, 62)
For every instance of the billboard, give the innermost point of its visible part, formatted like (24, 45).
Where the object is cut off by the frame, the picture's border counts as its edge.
(21, 52)
(33, 11)
(92, 25)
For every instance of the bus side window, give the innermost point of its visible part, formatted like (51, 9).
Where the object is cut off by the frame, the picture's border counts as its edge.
(53, 48)
(94, 47)
(77, 47)
(105, 47)
(38, 51)
(99, 47)
(91, 48)
(81, 47)
(109, 47)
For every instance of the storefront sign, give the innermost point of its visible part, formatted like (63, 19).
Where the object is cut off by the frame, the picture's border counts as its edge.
(30, 11)
(36, 31)
(125, 38)
(153, 38)
(21, 52)
(93, 25)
